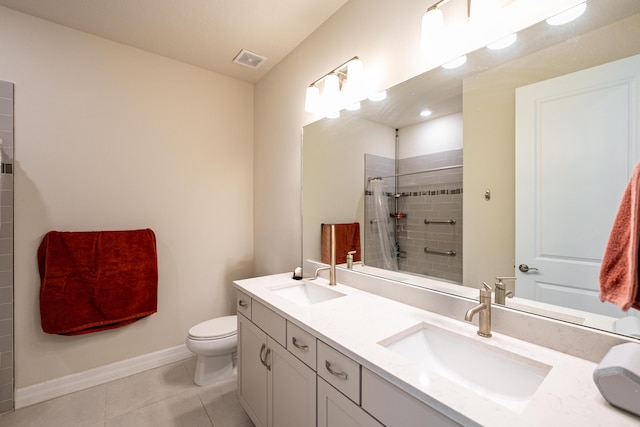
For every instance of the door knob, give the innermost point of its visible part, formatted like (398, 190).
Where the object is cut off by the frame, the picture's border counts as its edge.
(525, 268)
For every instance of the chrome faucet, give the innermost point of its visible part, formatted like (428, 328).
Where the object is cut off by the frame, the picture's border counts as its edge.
(501, 290)
(484, 308)
(332, 266)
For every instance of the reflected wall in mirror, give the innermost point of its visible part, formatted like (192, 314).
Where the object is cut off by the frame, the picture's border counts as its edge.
(483, 94)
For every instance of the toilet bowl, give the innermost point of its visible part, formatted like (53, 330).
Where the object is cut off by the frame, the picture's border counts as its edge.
(214, 341)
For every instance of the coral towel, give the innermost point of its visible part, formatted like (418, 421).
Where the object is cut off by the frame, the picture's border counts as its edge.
(619, 269)
(347, 239)
(92, 281)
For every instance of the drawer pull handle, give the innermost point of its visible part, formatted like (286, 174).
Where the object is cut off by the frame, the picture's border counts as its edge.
(299, 346)
(267, 359)
(263, 359)
(243, 303)
(342, 375)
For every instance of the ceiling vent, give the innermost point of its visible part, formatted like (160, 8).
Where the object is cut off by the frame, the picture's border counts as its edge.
(249, 59)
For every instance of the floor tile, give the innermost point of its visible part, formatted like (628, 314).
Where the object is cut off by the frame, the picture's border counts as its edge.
(148, 387)
(182, 410)
(223, 406)
(84, 408)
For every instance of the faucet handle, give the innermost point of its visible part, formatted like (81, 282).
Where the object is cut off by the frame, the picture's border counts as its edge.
(486, 287)
(501, 278)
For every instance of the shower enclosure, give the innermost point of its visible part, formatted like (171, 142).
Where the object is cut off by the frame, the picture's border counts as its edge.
(413, 214)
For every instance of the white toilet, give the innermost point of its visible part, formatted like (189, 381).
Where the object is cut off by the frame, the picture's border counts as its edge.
(214, 341)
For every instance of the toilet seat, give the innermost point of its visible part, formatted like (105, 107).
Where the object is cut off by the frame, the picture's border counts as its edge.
(215, 329)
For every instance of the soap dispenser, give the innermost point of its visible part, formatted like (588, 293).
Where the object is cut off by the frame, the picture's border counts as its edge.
(350, 259)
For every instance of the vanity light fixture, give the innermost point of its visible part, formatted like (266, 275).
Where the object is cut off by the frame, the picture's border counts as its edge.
(458, 62)
(344, 85)
(503, 42)
(433, 18)
(568, 15)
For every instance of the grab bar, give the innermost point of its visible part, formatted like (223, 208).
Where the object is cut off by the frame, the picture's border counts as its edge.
(439, 221)
(431, 251)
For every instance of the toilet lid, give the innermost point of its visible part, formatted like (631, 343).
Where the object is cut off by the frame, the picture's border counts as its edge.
(219, 327)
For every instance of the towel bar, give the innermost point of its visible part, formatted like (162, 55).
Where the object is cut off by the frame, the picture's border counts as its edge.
(439, 221)
(431, 251)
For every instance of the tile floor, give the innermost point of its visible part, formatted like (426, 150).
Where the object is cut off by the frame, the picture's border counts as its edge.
(165, 396)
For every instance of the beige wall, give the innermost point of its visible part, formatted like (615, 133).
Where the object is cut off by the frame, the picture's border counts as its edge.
(385, 35)
(110, 137)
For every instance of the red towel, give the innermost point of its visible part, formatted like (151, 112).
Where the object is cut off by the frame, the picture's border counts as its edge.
(92, 281)
(347, 240)
(619, 269)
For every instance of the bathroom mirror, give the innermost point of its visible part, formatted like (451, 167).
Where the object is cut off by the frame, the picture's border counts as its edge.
(475, 105)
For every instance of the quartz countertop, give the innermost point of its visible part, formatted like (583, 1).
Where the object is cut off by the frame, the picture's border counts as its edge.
(357, 322)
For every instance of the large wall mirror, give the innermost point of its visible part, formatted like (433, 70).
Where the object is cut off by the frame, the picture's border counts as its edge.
(461, 184)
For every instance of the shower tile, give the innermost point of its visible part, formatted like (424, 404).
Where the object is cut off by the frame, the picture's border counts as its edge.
(6, 122)
(6, 327)
(7, 138)
(6, 262)
(6, 106)
(6, 311)
(6, 89)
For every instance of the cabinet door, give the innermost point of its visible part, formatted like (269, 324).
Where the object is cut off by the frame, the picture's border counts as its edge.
(335, 410)
(292, 389)
(252, 373)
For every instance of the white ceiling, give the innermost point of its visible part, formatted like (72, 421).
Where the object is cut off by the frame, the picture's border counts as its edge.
(205, 33)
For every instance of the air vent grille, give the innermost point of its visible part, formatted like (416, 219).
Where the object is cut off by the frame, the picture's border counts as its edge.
(249, 59)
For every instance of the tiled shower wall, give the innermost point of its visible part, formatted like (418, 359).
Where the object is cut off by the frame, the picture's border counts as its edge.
(431, 195)
(436, 196)
(6, 248)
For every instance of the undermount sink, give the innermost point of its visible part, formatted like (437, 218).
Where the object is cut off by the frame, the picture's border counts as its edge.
(504, 377)
(305, 293)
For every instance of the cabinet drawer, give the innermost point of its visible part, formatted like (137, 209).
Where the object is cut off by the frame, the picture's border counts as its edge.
(273, 324)
(395, 407)
(339, 371)
(301, 344)
(243, 304)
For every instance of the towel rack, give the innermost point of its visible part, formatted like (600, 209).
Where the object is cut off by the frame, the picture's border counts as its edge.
(432, 251)
(439, 221)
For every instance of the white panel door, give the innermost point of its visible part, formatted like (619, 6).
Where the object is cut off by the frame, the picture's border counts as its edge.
(577, 140)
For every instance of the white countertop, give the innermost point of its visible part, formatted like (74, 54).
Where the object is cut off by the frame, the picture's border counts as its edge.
(354, 324)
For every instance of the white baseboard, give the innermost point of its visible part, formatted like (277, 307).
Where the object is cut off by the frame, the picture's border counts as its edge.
(37, 393)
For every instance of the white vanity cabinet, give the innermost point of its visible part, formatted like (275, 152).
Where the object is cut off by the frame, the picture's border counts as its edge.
(274, 387)
(336, 410)
(396, 408)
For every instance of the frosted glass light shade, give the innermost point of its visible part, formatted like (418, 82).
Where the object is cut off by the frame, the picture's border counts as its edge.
(354, 86)
(432, 28)
(312, 100)
(331, 94)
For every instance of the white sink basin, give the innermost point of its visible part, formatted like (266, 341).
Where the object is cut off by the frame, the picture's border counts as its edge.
(504, 377)
(305, 293)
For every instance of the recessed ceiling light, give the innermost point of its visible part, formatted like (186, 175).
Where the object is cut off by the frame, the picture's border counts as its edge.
(425, 113)
(568, 15)
(503, 42)
(378, 96)
(458, 62)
